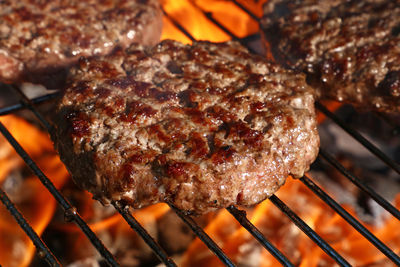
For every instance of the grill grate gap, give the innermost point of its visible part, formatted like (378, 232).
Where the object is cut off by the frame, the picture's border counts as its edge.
(68, 208)
(350, 219)
(361, 139)
(308, 231)
(209, 15)
(240, 216)
(203, 236)
(359, 183)
(138, 228)
(247, 11)
(179, 26)
(44, 251)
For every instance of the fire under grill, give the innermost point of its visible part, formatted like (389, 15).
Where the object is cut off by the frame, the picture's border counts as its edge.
(72, 215)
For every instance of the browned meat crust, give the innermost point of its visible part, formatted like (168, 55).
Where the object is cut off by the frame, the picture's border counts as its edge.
(202, 126)
(350, 50)
(41, 37)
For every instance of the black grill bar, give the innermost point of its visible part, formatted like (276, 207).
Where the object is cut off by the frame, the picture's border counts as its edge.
(240, 216)
(301, 224)
(203, 236)
(70, 211)
(159, 252)
(179, 26)
(351, 220)
(248, 12)
(308, 231)
(25, 100)
(198, 231)
(359, 183)
(138, 228)
(209, 15)
(37, 100)
(361, 139)
(41, 247)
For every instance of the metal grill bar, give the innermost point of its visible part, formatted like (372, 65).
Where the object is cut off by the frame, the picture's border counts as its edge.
(138, 228)
(351, 220)
(356, 135)
(248, 12)
(301, 224)
(32, 108)
(203, 237)
(20, 106)
(179, 26)
(240, 216)
(41, 247)
(226, 30)
(159, 252)
(308, 231)
(378, 198)
(70, 211)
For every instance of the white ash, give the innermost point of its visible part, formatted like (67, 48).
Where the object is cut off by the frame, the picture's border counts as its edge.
(360, 162)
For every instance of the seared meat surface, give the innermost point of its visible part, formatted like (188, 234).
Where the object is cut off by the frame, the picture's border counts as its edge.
(41, 37)
(202, 126)
(350, 50)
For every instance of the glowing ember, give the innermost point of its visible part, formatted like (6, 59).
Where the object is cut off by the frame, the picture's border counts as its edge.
(289, 239)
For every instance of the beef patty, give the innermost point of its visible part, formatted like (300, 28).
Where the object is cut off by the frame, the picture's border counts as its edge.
(38, 38)
(202, 126)
(350, 50)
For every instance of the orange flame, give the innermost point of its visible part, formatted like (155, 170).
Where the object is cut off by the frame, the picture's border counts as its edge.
(289, 239)
(37, 204)
(200, 27)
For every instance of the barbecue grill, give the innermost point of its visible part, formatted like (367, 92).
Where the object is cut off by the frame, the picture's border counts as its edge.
(72, 215)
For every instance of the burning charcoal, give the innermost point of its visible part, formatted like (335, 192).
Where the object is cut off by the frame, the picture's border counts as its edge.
(249, 254)
(175, 236)
(359, 161)
(89, 262)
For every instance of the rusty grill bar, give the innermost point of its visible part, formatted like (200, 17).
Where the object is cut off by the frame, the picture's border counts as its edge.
(239, 215)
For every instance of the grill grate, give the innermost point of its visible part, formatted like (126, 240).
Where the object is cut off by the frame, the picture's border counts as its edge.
(70, 212)
(239, 215)
(351, 220)
(308, 231)
(40, 245)
(203, 236)
(361, 139)
(135, 225)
